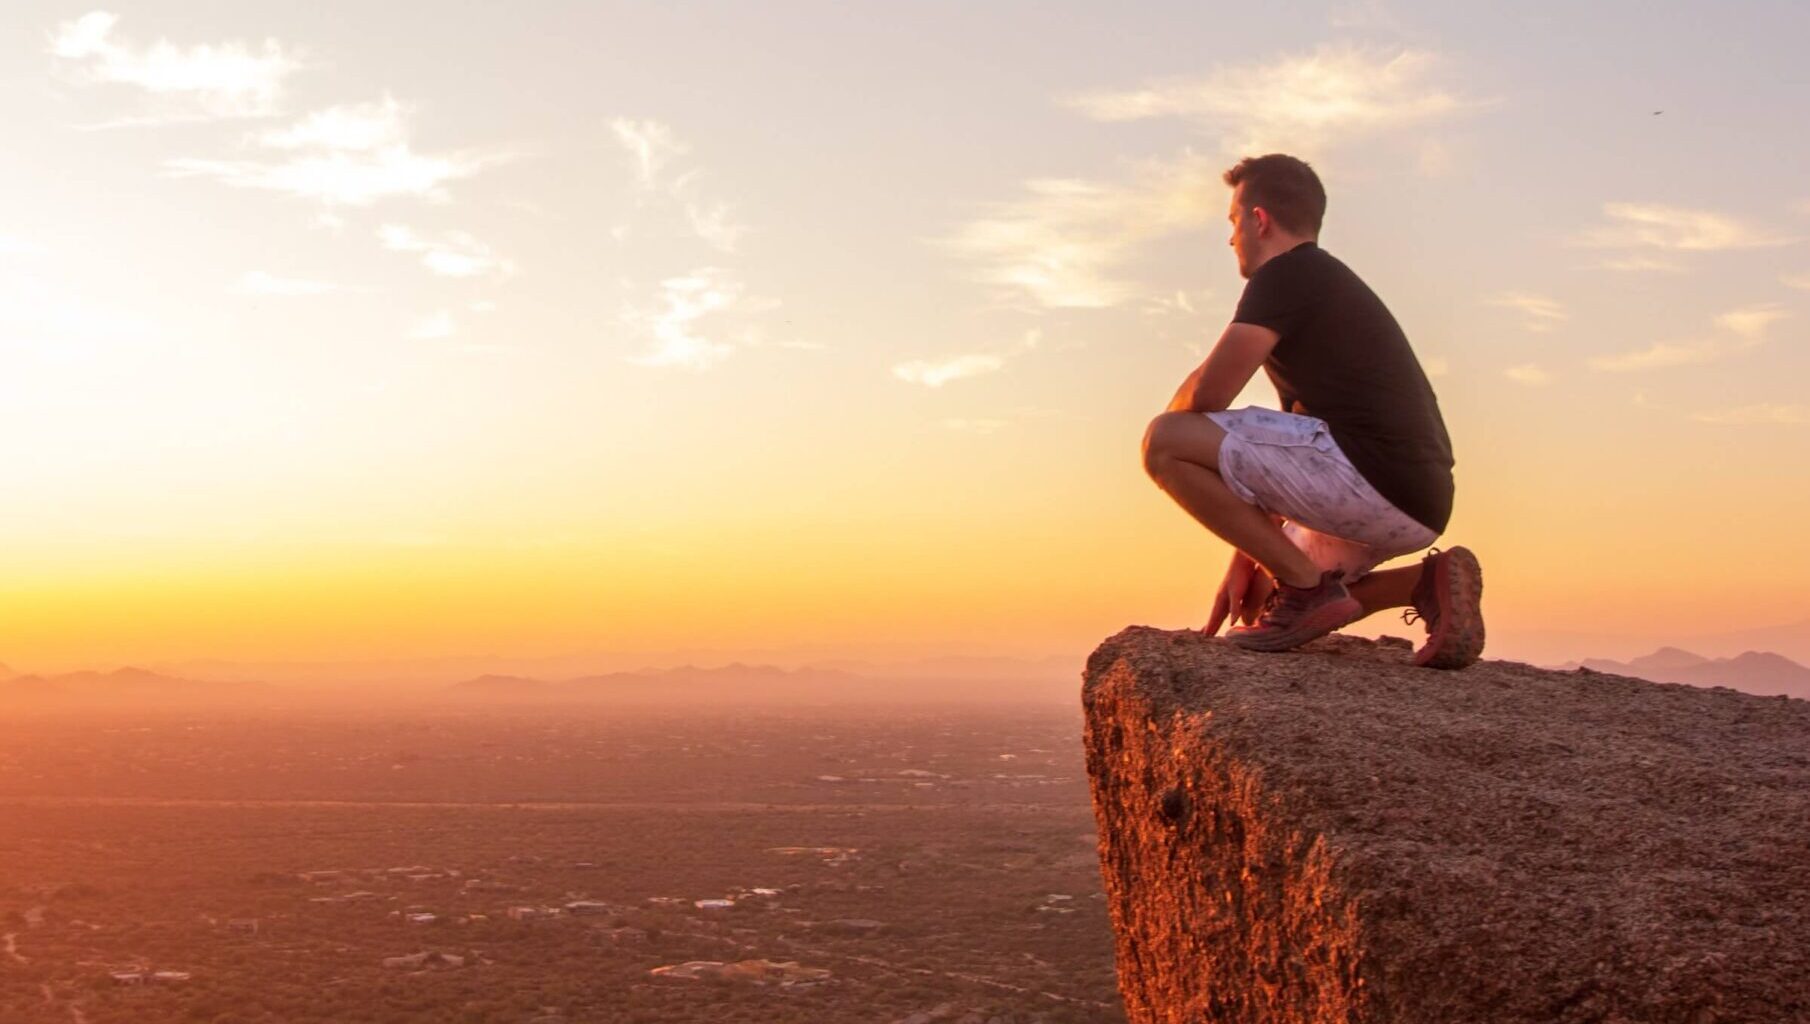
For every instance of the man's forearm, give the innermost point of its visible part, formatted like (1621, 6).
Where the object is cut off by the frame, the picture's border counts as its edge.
(1187, 397)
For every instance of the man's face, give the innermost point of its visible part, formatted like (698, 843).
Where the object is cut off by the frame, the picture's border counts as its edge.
(1244, 232)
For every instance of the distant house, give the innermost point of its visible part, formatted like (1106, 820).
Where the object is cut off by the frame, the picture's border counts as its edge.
(832, 856)
(243, 925)
(346, 897)
(690, 970)
(713, 905)
(171, 977)
(421, 918)
(525, 913)
(128, 977)
(425, 960)
(578, 907)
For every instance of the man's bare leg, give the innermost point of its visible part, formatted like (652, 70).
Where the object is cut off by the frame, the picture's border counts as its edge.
(1181, 453)
(1391, 588)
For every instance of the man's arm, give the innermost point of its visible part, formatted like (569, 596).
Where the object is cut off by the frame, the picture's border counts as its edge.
(1227, 369)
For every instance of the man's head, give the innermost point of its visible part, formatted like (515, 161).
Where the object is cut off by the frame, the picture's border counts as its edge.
(1277, 203)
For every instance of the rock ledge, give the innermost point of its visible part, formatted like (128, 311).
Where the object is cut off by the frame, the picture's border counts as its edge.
(1333, 835)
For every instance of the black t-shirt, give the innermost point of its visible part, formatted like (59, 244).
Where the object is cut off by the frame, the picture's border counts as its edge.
(1343, 358)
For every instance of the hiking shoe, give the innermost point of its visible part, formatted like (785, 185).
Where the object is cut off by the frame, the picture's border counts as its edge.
(1294, 615)
(1449, 600)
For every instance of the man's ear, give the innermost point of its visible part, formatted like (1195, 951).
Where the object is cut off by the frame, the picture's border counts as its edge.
(1264, 221)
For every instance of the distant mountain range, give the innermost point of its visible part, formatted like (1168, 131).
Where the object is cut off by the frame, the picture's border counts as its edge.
(121, 688)
(936, 681)
(1757, 672)
(769, 684)
(395, 676)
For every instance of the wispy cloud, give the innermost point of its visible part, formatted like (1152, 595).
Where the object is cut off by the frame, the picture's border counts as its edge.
(1799, 281)
(349, 155)
(340, 178)
(355, 127)
(934, 373)
(1182, 303)
(1674, 229)
(1541, 312)
(1751, 322)
(13, 246)
(1662, 354)
(1299, 103)
(1065, 241)
(1530, 374)
(653, 147)
(438, 324)
(258, 282)
(1637, 264)
(672, 328)
(1739, 330)
(711, 222)
(453, 254)
(1760, 414)
(697, 319)
(232, 79)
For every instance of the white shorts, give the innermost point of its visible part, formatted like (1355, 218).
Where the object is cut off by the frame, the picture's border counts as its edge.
(1290, 465)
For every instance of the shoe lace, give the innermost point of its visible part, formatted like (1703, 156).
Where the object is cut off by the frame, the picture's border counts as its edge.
(1412, 613)
(1281, 598)
(1272, 603)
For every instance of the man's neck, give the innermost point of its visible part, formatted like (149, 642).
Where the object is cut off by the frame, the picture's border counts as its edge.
(1280, 243)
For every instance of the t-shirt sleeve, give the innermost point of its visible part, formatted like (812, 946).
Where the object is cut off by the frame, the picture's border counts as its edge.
(1275, 297)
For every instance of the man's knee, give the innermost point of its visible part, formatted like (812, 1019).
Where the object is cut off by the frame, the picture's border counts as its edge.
(1159, 443)
(1178, 436)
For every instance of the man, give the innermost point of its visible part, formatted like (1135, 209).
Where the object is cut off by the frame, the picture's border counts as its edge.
(1355, 469)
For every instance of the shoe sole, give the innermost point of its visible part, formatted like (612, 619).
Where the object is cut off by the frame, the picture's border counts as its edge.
(1313, 626)
(1458, 585)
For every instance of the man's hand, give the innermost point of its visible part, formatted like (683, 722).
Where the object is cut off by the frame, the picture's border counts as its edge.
(1241, 595)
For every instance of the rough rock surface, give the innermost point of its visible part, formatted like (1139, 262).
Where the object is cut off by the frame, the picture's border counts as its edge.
(1334, 835)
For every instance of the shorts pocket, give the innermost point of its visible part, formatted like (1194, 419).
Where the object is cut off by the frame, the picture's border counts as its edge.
(1281, 429)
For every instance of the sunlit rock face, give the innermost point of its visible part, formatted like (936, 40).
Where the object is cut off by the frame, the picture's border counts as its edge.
(1335, 836)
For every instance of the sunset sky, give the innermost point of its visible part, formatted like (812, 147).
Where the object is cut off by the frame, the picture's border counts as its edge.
(792, 330)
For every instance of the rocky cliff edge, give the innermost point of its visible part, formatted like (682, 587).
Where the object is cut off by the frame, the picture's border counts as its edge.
(1333, 835)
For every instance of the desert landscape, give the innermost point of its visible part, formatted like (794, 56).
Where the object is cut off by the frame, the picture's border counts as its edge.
(498, 863)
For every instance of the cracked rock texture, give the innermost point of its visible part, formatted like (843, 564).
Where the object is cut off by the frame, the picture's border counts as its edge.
(1333, 835)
